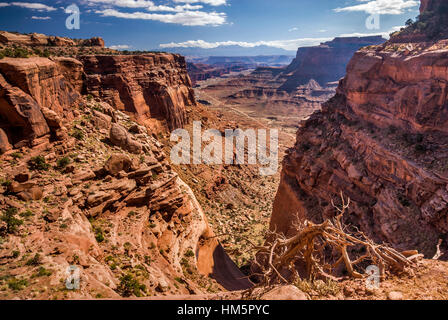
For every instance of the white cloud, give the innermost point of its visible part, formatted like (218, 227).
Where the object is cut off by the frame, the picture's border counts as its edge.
(385, 34)
(290, 45)
(40, 18)
(209, 2)
(147, 4)
(120, 47)
(186, 18)
(293, 29)
(381, 6)
(186, 12)
(29, 5)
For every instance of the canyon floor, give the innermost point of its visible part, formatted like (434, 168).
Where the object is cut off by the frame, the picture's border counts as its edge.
(236, 199)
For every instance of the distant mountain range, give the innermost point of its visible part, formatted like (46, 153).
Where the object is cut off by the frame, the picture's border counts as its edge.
(252, 61)
(231, 51)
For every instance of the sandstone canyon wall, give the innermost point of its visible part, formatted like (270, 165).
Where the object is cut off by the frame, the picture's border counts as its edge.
(324, 63)
(150, 86)
(382, 141)
(30, 90)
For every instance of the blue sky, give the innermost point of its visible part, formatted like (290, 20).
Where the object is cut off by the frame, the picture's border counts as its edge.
(157, 24)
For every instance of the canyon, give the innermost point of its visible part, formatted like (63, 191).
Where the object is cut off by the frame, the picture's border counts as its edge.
(93, 186)
(87, 184)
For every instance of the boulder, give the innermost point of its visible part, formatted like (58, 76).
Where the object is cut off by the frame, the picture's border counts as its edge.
(4, 142)
(120, 137)
(117, 163)
(22, 177)
(54, 122)
(395, 295)
(101, 120)
(285, 293)
(26, 191)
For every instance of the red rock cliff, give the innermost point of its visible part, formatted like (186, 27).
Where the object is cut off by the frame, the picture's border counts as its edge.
(383, 141)
(148, 86)
(31, 87)
(153, 86)
(324, 63)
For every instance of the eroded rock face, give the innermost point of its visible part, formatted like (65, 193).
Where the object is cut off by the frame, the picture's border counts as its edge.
(26, 87)
(382, 141)
(150, 86)
(38, 39)
(324, 63)
(37, 94)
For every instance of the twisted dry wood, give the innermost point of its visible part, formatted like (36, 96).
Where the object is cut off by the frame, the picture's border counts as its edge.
(311, 243)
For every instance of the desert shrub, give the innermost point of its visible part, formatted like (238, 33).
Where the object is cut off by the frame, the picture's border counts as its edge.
(129, 286)
(38, 163)
(17, 52)
(17, 155)
(27, 214)
(12, 223)
(99, 235)
(42, 272)
(34, 261)
(189, 253)
(322, 288)
(77, 134)
(17, 284)
(63, 162)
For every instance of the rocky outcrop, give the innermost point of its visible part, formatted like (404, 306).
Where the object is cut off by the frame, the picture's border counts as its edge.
(42, 40)
(26, 87)
(382, 141)
(37, 94)
(324, 63)
(200, 72)
(429, 5)
(150, 86)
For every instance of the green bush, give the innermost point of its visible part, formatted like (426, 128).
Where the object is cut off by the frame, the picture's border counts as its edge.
(77, 134)
(38, 163)
(12, 223)
(63, 162)
(42, 272)
(99, 236)
(34, 261)
(189, 253)
(130, 286)
(17, 155)
(17, 284)
(15, 53)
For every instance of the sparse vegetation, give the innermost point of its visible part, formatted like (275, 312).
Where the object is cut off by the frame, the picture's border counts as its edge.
(63, 163)
(77, 134)
(42, 272)
(99, 234)
(129, 286)
(38, 164)
(9, 217)
(320, 287)
(34, 261)
(17, 284)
